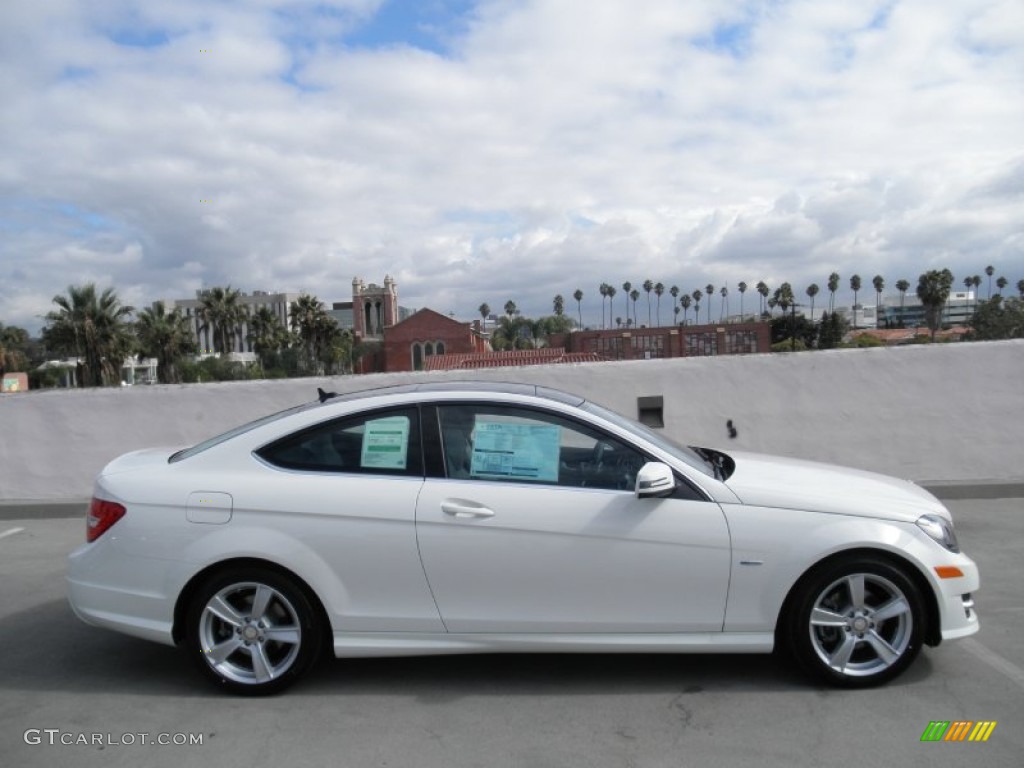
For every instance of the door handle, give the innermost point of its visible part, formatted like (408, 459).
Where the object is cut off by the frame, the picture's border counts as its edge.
(465, 509)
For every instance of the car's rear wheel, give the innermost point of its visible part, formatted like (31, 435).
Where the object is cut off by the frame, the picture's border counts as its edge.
(856, 622)
(252, 631)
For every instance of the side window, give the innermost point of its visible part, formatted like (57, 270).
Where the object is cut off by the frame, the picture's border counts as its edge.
(519, 445)
(386, 443)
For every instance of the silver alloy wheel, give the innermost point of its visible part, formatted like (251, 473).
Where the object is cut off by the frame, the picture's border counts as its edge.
(250, 633)
(861, 624)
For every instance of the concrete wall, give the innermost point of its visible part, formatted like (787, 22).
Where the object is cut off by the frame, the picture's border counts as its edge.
(934, 414)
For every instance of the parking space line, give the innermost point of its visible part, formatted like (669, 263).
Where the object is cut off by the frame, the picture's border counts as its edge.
(10, 532)
(994, 660)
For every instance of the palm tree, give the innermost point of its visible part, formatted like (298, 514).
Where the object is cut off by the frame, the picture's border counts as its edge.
(762, 289)
(990, 270)
(1001, 283)
(710, 292)
(902, 286)
(855, 285)
(725, 303)
(1020, 287)
(92, 328)
(648, 287)
(510, 309)
(968, 282)
(578, 295)
(812, 291)
(684, 302)
(879, 283)
(833, 286)
(659, 291)
(933, 290)
(168, 337)
(634, 295)
(742, 287)
(485, 312)
(307, 319)
(603, 290)
(558, 305)
(267, 334)
(697, 296)
(626, 288)
(223, 314)
(611, 302)
(674, 293)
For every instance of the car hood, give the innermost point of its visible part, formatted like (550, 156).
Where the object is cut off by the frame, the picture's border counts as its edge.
(771, 481)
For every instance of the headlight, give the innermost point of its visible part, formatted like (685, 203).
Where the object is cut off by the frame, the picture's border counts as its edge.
(939, 529)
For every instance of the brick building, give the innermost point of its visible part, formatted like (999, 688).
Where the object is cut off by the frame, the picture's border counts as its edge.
(408, 344)
(669, 341)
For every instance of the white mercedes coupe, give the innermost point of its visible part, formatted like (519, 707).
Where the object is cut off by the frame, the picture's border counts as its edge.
(479, 517)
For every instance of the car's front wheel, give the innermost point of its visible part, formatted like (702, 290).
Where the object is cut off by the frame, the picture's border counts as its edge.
(856, 622)
(252, 631)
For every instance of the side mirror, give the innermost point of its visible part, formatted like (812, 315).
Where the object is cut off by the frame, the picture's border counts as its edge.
(655, 479)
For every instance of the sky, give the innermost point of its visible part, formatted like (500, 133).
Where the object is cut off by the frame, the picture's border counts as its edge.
(487, 150)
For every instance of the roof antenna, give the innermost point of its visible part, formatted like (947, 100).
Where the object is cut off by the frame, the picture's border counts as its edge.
(325, 396)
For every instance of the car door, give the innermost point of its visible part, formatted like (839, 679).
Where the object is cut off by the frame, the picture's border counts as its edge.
(346, 490)
(535, 527)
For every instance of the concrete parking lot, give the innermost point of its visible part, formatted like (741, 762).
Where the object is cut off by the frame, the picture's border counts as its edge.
(61, 680)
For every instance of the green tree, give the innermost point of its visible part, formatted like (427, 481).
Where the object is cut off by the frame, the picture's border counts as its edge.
(325, 347)
(990, 270)
(879, 283)
(510, 309)
(558, 305)
(268, 336)
(578, 295)
(633, 296)
(1001, 283)
(222, 312)
(1020, 287)
(725, 303)
(742, 288)
(812, 291)
(674, 293)
(168, 337)
(833, 286)
(831, 330)
(95, 329)
(933, 289)
(697, 296)
(855, 285)
(611, 302)
(710, 292)
(485, 312)
(603, 290)
(762, 290)
(684, 302)
(998, 319)
(648, 287)
(659, 291)
(14, 344)
(902, 286)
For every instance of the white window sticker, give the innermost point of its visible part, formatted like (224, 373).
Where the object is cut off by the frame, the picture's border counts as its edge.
(515, 451)
(386, 443)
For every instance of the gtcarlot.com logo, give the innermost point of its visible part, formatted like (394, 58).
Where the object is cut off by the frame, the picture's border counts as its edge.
(55, 736)
(958, 730)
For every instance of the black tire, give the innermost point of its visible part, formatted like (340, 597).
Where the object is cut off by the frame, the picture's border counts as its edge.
(855, 623)
(246, 651)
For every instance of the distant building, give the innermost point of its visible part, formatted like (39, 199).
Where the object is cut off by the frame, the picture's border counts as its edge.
(410, 344)
(278, 303)
(959, 310)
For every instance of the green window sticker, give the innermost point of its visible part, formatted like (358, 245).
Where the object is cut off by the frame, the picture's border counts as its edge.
(385, 443)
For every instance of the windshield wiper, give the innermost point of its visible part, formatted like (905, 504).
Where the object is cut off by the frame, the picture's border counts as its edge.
(713, 459)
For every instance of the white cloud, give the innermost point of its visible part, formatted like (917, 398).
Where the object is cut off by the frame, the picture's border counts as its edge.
(550, 149)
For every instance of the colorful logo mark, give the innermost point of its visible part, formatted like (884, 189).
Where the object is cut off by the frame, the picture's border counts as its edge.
(958, 730)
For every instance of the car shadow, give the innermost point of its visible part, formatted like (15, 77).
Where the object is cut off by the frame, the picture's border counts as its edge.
(48, 649)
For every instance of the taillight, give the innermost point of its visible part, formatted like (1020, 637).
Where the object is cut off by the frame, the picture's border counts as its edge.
(102, 515)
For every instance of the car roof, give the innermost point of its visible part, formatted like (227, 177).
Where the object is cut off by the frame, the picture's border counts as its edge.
(456, 388)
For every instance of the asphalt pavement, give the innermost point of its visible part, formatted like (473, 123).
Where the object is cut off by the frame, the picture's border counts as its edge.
(75, 695)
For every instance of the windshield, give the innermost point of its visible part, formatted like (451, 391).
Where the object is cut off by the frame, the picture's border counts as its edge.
(681, 452)
(240, 430)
